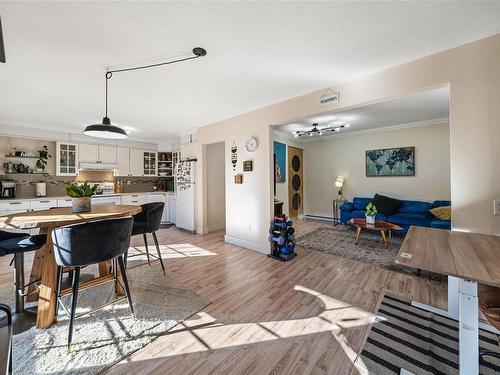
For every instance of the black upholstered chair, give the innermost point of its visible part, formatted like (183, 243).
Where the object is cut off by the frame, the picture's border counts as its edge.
(89, 243)
(6, 341)
(17, 244)
(148, 221)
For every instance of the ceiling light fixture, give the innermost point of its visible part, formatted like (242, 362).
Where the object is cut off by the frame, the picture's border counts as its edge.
(316, 130)
(106, 129)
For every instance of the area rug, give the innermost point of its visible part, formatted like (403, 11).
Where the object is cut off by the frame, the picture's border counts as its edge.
(103, 338)
(418, 341)
(339, 241)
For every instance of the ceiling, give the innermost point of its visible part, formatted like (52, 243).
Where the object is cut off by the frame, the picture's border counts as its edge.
(259, 53)
(409, 110)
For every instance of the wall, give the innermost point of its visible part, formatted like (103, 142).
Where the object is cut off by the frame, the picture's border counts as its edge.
(216, 187)
(345, 155)
(472, 73)
(282, 187)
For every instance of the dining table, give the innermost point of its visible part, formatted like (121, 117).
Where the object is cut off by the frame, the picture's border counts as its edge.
(44, 267)
(468, 259)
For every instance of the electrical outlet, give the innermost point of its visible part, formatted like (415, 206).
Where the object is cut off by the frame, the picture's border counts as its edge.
(496, 207)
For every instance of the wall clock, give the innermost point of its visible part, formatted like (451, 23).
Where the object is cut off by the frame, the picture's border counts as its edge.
(251, 144)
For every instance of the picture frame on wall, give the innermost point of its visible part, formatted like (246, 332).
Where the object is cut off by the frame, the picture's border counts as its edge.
(398, 161)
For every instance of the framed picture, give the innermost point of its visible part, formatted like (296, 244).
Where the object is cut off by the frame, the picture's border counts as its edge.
(390, 162)
(280, 166)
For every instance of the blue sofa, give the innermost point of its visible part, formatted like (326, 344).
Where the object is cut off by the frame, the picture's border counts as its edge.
(410, 213)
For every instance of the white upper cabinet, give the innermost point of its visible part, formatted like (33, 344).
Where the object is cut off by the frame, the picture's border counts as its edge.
(107, 154)
(123, 161)
(91, 153)
(66, 159)
(88, 153)
(136, 164)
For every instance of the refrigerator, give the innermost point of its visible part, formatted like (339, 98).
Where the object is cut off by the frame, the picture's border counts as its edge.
(185, 210)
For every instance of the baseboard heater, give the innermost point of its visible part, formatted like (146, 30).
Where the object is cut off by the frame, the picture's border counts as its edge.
(317, 217)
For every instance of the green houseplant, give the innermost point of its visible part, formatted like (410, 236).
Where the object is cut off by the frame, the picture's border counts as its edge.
(43, 156)
(81, 195)
(370, 213)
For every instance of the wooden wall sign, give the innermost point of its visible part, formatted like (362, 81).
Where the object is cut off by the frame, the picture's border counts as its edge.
(247, 166)
(238, 179)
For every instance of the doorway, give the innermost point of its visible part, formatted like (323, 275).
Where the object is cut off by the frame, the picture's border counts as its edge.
(216, 187)
(295, 182)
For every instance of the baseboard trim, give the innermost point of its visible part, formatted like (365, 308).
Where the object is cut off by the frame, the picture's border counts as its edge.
(318, 217)
(246, 244)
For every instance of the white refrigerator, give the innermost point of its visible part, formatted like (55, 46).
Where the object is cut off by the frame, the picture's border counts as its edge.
(185, 211)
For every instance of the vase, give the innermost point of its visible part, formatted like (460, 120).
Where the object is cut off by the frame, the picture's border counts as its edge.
(80, 204)
(370, 219)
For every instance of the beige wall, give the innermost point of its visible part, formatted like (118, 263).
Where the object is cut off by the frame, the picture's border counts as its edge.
(345, 155)
(282, 187)
(216, 187)
(472, 73)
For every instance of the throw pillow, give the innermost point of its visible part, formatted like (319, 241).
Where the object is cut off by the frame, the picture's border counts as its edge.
(442, 213)
(386, 205)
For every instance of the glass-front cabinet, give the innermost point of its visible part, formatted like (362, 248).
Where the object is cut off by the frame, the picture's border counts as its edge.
(66, 159)
(149, 163)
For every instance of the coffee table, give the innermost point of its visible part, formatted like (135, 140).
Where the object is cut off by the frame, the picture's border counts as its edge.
(381, 226)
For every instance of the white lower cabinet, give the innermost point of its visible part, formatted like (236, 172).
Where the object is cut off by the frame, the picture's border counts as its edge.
(68, 202)
(165, 218)
(43, 204)
(134, 199)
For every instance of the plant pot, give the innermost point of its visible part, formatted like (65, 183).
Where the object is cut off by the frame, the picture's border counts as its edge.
(39, 170)
(370, 219)
(81, 205)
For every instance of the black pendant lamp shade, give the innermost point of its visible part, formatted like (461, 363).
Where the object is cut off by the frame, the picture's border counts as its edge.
(105, 130)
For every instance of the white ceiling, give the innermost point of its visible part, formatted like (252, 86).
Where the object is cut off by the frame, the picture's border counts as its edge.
(421, 108)
(259, 53)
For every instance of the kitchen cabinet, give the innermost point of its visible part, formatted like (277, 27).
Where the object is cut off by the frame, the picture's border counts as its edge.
(92, 153)
(149, 161)
(134, 199)
(66, 159)
(68, 202)
(43, 204)
(171, 207)
(136, 167)
(158, 197)
(123, 161)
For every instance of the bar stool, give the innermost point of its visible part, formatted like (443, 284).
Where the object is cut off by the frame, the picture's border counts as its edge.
(18, 244)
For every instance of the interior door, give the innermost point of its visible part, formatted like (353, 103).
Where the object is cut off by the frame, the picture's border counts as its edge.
(295, 181)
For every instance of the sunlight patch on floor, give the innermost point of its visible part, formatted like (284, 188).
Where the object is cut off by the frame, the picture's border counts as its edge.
(172, 251)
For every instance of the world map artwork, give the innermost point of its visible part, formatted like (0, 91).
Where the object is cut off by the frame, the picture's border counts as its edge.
(391, 162)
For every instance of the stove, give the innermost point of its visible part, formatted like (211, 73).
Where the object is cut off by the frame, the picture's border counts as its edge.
(104, 188)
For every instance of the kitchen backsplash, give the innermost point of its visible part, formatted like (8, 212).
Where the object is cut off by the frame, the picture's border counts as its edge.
(25, 184)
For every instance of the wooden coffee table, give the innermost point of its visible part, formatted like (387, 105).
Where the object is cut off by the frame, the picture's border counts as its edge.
(382, 226)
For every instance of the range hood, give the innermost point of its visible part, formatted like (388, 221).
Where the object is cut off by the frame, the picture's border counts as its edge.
(98, 166)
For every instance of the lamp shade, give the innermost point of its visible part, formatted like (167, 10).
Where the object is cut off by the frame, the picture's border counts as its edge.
(105, 130)
(339, 182)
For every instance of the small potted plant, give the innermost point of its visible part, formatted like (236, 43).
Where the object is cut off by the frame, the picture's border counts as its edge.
(370, 213)
(81, 196)
(43, 156)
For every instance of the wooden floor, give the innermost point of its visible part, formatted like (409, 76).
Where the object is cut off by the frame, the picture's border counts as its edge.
(309, 315)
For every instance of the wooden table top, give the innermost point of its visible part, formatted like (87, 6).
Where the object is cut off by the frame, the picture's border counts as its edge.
(379, 225)
(64, 216)
(469, 256)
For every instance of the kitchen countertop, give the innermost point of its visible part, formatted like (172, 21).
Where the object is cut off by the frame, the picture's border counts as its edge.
(94, 196)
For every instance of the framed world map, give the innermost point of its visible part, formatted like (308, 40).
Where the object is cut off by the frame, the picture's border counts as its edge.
(390, 162)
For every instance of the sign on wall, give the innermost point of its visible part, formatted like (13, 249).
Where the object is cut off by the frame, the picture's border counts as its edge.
(329, 97)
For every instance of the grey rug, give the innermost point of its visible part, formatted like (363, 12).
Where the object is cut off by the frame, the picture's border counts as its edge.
(103, 338)
(339, 240)
(418, 341)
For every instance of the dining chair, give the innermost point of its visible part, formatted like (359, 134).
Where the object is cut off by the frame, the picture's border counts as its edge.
(83, 244)
(148, 221)
(489, 303)
(6, 340)
(16, 243)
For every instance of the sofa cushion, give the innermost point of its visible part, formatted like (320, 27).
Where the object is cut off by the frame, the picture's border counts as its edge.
(415, 207)
(410, 219)
(361, 203)
(386, 205)
(441, 224)
(348, 206)
(440, 204)
(360, 214)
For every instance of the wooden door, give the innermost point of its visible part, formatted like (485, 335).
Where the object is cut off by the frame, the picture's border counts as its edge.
(295, 181)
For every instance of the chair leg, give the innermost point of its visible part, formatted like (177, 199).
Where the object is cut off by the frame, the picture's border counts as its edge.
(19, 267)
(146, 244)
(123, 271)
(159, 252)
(58, 287)
(125, 257)
(76, 280)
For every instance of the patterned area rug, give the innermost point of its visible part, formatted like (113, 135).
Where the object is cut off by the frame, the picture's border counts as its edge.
(418, 341)
(103, 338)
(339, 240)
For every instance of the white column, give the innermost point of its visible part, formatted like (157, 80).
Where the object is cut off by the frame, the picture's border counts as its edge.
(468, 328)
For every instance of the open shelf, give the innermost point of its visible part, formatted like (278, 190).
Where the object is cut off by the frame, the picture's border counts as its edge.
(20, 157)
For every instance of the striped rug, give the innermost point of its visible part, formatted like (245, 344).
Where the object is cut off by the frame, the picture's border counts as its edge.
(406, 337)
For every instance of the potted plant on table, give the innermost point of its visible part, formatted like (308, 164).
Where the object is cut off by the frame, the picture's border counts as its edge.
(81, 196)
(43, 156)
(370, 213)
